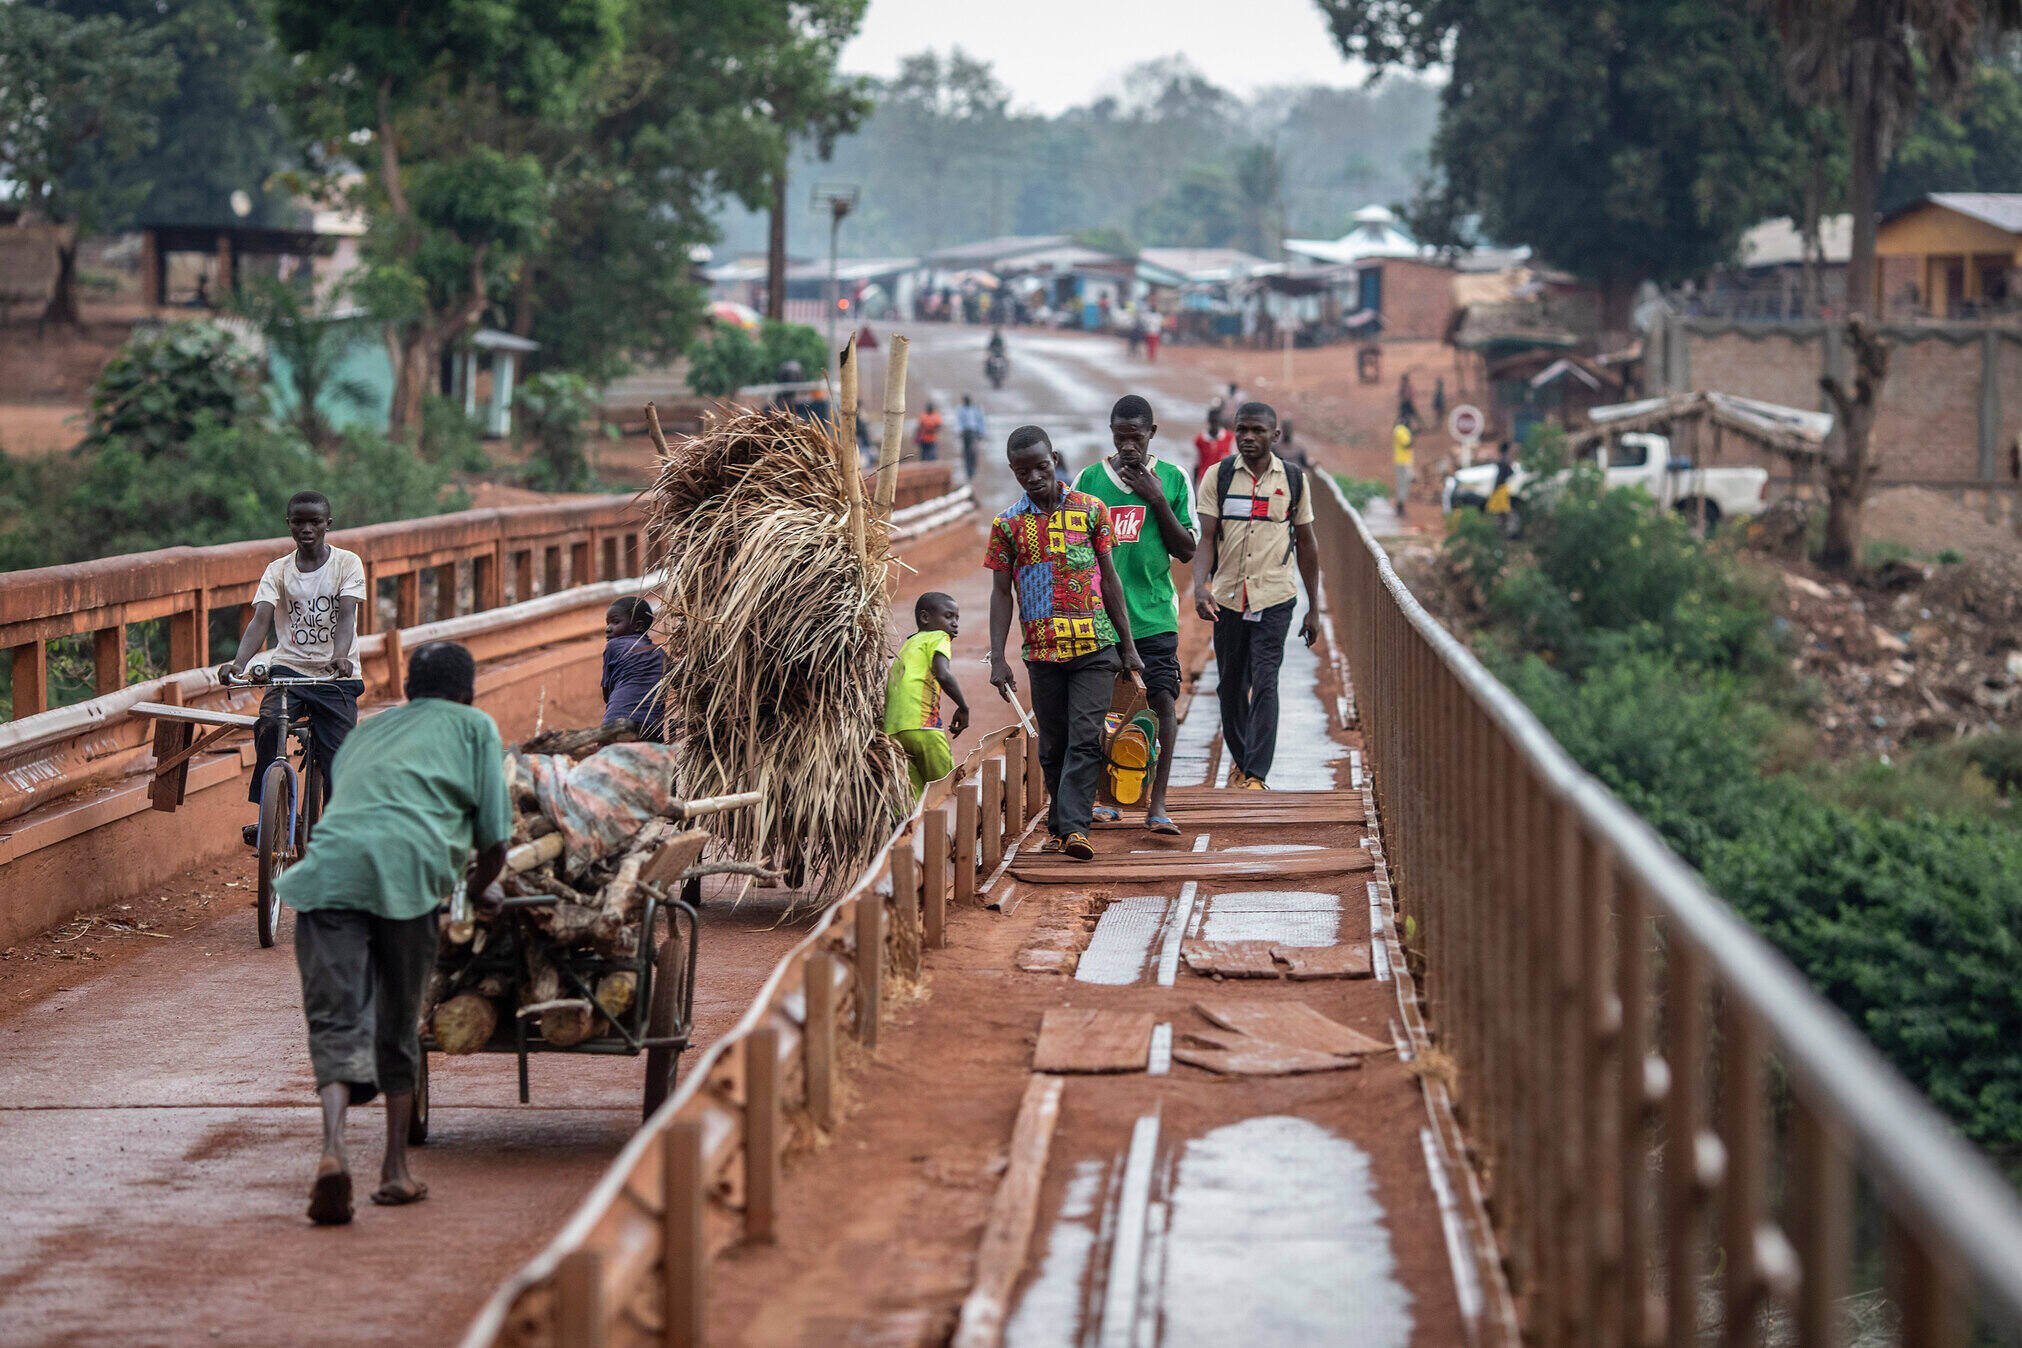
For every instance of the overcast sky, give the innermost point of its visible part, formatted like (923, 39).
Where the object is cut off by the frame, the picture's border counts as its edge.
(1053, 54)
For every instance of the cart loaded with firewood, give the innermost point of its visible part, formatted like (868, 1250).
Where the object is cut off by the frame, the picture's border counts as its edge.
(588, 942)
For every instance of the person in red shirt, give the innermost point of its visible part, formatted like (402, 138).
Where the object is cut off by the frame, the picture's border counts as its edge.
(1214, 444)
(928, 433)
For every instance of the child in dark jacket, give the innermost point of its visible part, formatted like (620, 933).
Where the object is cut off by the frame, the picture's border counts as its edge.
(633, 668)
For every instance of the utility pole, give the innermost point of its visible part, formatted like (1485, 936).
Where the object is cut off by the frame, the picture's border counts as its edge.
(841, 199)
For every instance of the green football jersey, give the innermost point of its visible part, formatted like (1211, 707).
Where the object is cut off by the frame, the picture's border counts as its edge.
(1143, 563)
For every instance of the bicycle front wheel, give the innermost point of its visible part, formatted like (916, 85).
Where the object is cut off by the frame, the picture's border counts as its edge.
(275, 788)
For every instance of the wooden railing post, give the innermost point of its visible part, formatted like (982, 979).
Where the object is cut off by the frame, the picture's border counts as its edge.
(818, 990)
(445, 590)
(579, 1300)
(108, 659)
(761, 1132)
(870, 964)
(1035, 775)
(934, 879)
(906, 905)
(1014, 791)
(993, 813)
(189, 635)
(683, 1255)
(523, 575)
(31, 678)
(407, 599)
(968, 826)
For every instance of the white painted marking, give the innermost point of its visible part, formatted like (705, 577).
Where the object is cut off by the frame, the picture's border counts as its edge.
(1277, 1236)
(1175, 932)
(1276, 849)
(1222, 768)
(1159, 1061)
(1121, 945)
(1379, 953)
(1466, 1284)
(1126, 1250)
(1294, 917)
(1404, 1053)
(1049, 1313)
(1355, 769)
(1201, 843)
(1158, 1216)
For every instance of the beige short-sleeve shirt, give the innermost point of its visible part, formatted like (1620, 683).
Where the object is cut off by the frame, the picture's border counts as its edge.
(1255, 563)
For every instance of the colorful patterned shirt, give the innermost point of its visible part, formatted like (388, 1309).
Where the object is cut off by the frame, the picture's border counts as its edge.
(1051, 557)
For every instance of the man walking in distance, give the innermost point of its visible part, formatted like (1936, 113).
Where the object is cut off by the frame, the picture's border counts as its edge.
(1256, 517)
(1051, 551)
(424, 788)
(969, 425)
(1151, 509)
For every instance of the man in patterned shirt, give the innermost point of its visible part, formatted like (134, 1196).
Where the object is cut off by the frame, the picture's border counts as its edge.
(1053, 548)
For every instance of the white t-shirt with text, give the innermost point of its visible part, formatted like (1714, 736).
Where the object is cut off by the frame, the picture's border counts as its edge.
(305, 610)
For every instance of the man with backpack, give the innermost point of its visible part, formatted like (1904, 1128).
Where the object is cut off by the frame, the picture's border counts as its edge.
(1256, 520)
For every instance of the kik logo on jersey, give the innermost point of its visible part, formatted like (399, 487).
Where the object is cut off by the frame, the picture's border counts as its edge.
(1128, 521)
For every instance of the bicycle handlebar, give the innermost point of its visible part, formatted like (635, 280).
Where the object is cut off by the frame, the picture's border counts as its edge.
(355, 687)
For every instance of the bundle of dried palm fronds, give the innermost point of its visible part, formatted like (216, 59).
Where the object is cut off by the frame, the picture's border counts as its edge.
(776, 653)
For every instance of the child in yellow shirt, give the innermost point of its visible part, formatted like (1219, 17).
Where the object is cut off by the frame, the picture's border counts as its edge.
(920, 674)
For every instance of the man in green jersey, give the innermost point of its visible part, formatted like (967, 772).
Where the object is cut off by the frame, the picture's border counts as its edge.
(1151, 507)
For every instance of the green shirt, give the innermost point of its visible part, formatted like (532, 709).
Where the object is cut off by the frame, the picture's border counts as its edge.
(1143, 562)
(912, 693)
(415, 788)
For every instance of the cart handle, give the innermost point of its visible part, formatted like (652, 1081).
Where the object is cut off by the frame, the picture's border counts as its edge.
(695, 809)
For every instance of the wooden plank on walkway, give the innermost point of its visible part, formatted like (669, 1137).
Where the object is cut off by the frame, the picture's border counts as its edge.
(1230, 959)
(1247, 812)
(1328, 961)
(1008, 1233)
(1286, 1022)
(1238, 1055)
(1152, 867)
(1093, 1041)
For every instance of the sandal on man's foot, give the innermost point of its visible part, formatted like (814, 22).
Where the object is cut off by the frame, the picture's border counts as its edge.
(330, 1198)
(1159, 823)
(1076, 845)
(399, 1193)
(1105, 815)
(1051, 845)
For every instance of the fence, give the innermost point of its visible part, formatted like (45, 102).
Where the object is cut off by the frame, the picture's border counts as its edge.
(704, 1171)
(1625, 1046)
(494, 551)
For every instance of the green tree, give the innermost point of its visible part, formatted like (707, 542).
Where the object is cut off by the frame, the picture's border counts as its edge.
(1203, 209)
(309, 344)
(1975, 146)
(77, 100)
(1874, 61)
(1623, 141)
(439, 96)
(221, 128)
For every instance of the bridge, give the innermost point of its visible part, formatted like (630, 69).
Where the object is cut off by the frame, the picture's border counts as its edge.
(1597, 1108)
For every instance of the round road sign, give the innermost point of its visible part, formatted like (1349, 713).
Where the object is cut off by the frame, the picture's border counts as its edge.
(1466, 422)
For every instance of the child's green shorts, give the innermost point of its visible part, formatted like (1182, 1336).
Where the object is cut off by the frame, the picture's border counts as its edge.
(928, 756)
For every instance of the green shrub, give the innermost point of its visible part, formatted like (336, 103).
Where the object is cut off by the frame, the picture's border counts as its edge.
(451, 438)
(1360, 491)
(151, 395)
(729, 358)
(554, 412)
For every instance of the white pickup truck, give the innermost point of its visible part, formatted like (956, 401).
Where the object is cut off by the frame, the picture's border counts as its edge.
(1638, 459)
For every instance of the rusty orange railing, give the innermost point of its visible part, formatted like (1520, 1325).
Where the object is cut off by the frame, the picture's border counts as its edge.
(629, 1266)
(1670, 1123)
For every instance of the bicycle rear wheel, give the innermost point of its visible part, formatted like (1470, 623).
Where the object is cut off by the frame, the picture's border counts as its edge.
(275, 788)
(314, 792)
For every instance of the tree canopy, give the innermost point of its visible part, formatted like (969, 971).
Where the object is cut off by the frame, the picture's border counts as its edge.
(1622, 141)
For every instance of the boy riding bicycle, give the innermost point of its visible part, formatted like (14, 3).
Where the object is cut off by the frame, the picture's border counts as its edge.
(314, 593)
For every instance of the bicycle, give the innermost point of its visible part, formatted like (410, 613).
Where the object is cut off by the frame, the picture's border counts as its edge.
(289, 806)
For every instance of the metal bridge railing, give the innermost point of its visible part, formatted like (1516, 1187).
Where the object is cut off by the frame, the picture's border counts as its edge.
(1670, 1122)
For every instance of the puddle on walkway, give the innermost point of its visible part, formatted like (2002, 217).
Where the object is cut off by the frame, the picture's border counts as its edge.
(1297, 917)
(1277, 1237)
(1049, 1313)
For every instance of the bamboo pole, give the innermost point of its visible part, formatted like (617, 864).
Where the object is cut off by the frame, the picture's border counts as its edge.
(895, 426)
(846, 445)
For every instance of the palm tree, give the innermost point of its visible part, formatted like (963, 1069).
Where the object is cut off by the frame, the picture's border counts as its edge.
(1861, 57)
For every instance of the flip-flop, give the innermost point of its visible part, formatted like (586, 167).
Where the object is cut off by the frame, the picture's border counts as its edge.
(388, 1195)
(1105, 815)
(1159, 823)
(330, 1199)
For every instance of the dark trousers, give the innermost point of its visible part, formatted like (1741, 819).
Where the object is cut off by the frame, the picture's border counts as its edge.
(362, 980)
(331, 716)
(970, 439)
(1247, 656)
(928, 448)
(1070, 698)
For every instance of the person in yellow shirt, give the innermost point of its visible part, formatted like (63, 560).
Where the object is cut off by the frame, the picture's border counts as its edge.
(919, 675)
(1400, 455)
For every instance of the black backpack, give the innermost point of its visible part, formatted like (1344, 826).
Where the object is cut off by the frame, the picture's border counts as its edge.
(1225, 474)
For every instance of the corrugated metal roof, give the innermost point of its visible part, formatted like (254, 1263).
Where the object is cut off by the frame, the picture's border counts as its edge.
(2003, 210)
(1780, 242)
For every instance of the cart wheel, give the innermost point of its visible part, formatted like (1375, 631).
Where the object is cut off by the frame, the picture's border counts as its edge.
(273, 848)
(417, 1113)
(670, 977)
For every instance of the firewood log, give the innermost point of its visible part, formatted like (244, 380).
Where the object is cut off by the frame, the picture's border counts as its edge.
(563, 1026)
(464, 1023)
(616, 991)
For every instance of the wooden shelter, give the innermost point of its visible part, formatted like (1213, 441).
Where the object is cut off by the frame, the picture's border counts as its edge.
(1702, 418)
